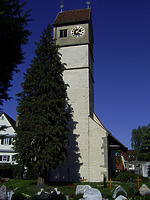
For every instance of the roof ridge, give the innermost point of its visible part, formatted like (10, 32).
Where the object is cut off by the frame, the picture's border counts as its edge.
(76, 10)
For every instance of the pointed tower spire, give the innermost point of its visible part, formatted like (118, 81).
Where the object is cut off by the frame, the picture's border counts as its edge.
(88, 4)
(62, 5)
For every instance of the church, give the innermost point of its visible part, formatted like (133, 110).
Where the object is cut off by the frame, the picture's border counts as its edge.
(91, 147)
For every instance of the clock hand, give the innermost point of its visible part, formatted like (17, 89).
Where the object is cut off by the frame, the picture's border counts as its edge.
(77, 31)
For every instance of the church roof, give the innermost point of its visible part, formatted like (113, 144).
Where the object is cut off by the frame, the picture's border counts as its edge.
(112, 140)
(72, 17)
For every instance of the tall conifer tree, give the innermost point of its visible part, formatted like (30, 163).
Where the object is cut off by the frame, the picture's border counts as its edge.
(140, 142)
(145, 147)
(13, 34)
(43, 110)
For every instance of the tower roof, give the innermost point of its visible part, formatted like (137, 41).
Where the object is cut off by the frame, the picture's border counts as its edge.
(72, 17)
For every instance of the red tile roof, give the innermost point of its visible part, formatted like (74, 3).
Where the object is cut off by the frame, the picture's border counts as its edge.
(126, 154)
(72, 17)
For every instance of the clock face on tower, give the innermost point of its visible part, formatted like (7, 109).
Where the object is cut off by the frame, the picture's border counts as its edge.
(77, 31)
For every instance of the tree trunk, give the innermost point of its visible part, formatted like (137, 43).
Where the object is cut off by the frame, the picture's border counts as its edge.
(40, 182)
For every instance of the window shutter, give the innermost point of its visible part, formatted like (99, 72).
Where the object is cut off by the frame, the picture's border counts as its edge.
(8, 158)
(10, 141)
(2, 141)
(0, 158)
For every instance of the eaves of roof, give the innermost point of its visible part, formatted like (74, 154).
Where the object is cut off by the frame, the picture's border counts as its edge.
(112, 138)
(11, 121)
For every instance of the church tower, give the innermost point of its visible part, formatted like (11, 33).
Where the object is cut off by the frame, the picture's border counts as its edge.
(88, 145)
(74, 34)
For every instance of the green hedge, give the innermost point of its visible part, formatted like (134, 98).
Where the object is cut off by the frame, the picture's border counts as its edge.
(6, 171)
(78, 196)
(126, 176)
(17, 171)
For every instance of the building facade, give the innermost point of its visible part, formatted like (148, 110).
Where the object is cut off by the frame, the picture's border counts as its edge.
(7, 135)
(91, 145)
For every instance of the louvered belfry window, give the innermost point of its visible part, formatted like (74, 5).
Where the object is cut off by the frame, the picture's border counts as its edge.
(63, 33)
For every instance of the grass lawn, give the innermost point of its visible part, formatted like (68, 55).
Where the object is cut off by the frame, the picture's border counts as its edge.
(23, 186)
(29, 187)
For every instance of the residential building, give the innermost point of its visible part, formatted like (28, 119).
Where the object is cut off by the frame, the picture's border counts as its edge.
(7, 135)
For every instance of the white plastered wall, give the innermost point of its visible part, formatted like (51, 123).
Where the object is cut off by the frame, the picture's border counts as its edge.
(77, 76)
(97, 152)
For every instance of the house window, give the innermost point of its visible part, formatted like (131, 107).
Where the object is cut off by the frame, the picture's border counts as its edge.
(6, 141)
(63, 33)
(4, 158)
(131, 166)
(13, 159)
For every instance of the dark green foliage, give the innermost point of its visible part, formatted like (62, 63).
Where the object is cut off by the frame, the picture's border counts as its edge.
(10, 171)
(141, 143)
(78, 196)
(134, 155)
(6, 171)
(145, 147)
(32, 173)
(140, 197)
(108, 195)
(18, 196)
(136, 141)
(35, 197)
(43, 111)
(146, 197)
(17, 171)
(12, 36)
(120, 193)
(131, 190)
(126, 176)
(55, 196)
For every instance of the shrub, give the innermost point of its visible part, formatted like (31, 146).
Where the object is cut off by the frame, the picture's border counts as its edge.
(108, 195)
(78, 196)
(55, 196)
(31, 173)
(131, 190)
(140, 198)
(6, 171)
(18, 196)
(17, 171)
(146, 197)
(127, 176)
(120, 193)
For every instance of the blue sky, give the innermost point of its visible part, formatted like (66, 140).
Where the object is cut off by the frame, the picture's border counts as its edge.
(121, 54)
